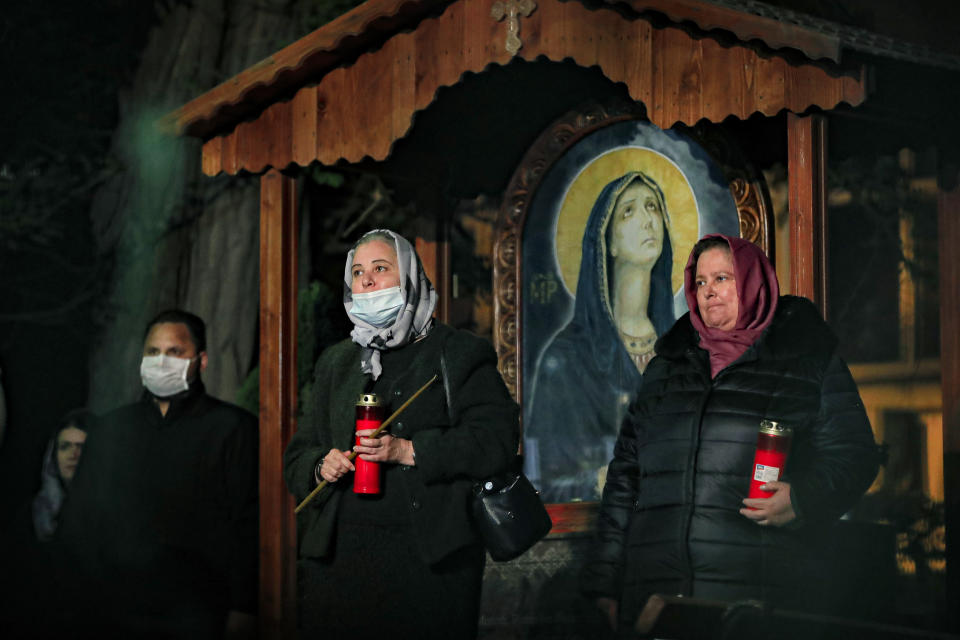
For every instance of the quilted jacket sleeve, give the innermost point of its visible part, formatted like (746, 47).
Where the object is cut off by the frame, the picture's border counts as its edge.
(603, 574)
(844, 458)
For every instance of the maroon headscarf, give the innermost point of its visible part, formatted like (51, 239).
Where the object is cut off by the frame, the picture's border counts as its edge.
(757, 293)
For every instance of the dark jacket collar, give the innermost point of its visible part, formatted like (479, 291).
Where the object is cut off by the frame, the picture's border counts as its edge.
(184, 403)
(797, 328)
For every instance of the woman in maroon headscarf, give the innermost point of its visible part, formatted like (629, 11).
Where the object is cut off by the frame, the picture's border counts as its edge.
(675, 518)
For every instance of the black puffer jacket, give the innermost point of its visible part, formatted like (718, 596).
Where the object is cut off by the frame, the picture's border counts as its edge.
(670, 520)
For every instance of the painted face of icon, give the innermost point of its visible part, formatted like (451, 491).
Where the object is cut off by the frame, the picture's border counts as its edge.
(637, 225)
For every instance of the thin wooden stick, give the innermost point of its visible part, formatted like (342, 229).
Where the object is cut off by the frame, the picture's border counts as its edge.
(383, 425)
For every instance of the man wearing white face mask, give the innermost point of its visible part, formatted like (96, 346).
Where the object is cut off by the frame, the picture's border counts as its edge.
(162, 518)
(171, 361)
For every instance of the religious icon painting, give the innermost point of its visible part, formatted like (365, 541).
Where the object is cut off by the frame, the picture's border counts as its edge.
(603, 240)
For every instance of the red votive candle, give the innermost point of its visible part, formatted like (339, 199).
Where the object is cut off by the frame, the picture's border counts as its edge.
(773, 447)
(369, 415)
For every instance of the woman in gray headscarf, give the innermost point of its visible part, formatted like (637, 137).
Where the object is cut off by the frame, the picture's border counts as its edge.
(405, 561)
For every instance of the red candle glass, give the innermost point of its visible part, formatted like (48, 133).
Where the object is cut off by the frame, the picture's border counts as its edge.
(773, 447)
(369, 415)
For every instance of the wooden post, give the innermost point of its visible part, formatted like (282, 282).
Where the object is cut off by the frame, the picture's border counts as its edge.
(948, 207)
(435, 257)
(432, 243)
(806, 177)
(278, 401)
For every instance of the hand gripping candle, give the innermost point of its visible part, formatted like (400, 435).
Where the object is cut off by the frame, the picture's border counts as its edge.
(369, 415)
(773, 446)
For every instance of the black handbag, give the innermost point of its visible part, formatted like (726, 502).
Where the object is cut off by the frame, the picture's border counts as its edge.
(507, 510)
(509, 515)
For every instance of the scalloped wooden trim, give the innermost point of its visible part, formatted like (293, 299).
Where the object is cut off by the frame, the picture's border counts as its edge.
(333, 45)
(679, 78)
(309, 57)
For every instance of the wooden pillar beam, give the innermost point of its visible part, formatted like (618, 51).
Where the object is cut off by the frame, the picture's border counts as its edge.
(806, 177)
(948, 207)
(432, 243)
(278, 401)
(435, 257)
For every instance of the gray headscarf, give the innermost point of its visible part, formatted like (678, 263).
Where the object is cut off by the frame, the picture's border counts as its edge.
(49, 500)
(415, 318)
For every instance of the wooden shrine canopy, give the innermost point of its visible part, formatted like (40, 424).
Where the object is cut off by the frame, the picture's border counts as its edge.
(351, 89)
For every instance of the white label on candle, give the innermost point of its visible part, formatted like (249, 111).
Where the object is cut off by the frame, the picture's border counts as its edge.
(766, 473)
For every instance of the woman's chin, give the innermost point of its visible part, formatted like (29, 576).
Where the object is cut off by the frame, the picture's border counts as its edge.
(643, 258)
(717, 322)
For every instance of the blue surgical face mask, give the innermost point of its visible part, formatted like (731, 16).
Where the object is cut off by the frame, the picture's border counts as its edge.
(378, 308)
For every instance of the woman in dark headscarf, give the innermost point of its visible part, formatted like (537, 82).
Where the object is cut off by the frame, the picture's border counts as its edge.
(591, 369)
(405, 562)
(59, 465)
(31, 563)
(675, 518)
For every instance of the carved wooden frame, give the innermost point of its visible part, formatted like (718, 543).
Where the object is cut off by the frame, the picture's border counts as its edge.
(746, 185)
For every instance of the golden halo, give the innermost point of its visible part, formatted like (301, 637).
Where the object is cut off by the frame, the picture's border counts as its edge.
(586, 187)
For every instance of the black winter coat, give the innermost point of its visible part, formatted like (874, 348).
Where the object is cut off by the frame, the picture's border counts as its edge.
(479, 440)
(670, 521)
(162, 516)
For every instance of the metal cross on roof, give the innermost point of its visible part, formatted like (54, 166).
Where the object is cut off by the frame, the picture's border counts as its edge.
(512, 9)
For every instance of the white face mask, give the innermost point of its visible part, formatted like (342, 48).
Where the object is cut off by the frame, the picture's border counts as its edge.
(378, 308)
(165, 376)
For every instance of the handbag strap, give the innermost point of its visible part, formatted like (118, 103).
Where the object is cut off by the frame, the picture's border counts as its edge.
(449, 397)
(478, 484)
(446, 378)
